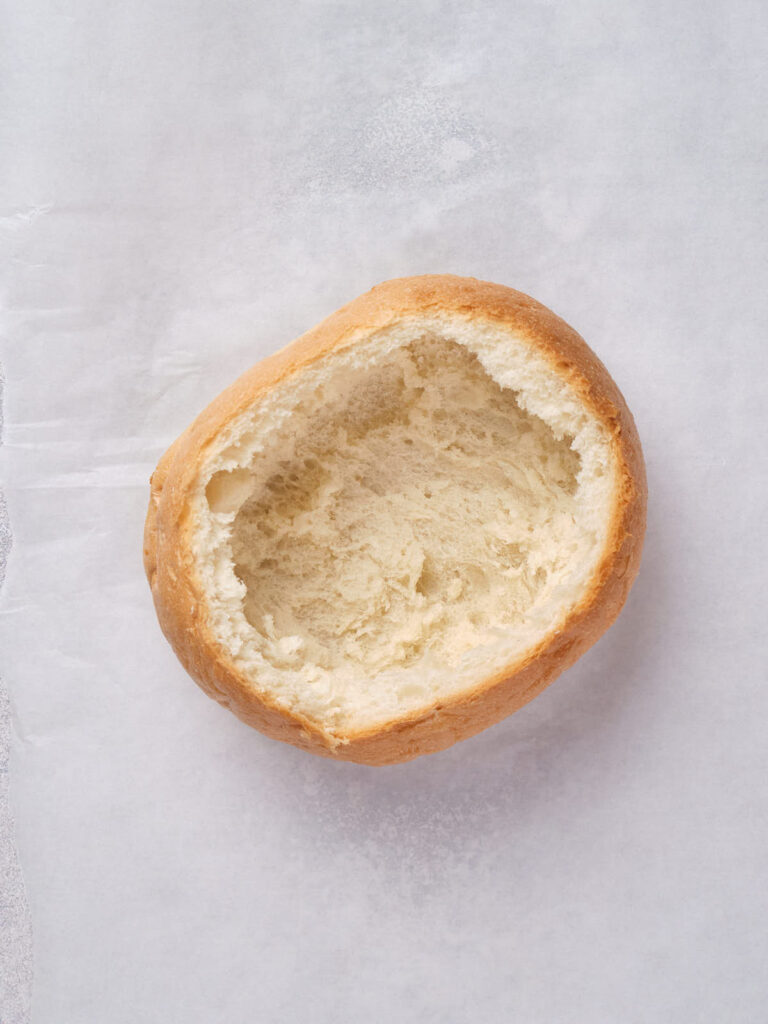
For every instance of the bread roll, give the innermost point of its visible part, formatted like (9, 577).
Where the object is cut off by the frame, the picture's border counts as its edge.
(400, 528)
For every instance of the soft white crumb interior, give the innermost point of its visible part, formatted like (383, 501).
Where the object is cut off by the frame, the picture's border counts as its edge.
(402, 518)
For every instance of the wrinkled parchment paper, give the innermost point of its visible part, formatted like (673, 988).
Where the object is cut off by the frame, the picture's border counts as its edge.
(189, 186)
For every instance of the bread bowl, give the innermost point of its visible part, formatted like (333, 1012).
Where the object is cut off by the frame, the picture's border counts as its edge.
(400, 528)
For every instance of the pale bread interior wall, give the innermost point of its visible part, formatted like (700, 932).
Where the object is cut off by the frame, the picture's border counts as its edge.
(401, 519)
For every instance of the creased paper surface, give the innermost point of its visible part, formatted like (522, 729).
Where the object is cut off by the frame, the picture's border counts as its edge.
(189, 186)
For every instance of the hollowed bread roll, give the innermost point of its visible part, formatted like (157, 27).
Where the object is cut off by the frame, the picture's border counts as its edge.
(399, 529)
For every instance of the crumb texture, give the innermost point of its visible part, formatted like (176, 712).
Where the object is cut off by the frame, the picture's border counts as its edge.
(380, 532)
(424, 511)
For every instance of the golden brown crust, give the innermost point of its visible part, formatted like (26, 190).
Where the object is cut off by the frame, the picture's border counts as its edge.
(181, 606)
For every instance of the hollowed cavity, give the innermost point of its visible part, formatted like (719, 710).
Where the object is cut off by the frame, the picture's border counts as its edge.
(419, 510)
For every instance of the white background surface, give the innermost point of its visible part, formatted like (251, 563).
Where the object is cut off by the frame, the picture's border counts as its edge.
(192, 184)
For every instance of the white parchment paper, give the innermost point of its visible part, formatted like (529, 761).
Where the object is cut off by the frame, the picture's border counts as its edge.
(189, 185)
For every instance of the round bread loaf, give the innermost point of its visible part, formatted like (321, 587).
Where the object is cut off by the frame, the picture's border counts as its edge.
(399, 529)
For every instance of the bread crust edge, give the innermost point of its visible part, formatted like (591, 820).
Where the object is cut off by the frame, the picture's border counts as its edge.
(179, 598)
